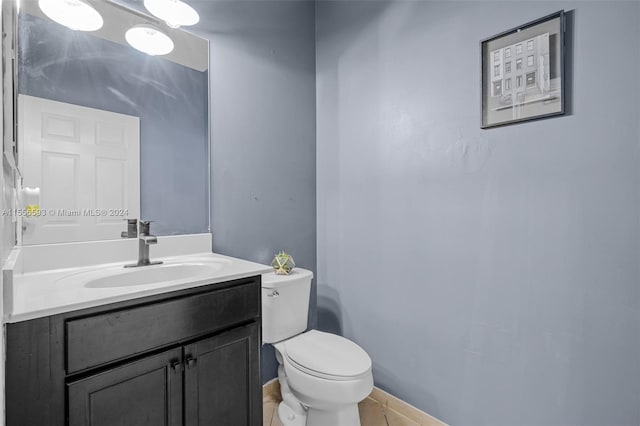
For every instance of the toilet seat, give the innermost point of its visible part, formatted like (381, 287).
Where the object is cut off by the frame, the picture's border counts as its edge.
(327, 356)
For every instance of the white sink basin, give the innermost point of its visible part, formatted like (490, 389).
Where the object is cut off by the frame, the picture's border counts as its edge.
(144, 275)
(169, 272)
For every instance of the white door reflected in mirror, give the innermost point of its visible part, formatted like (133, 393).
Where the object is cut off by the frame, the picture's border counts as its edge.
(86, 163)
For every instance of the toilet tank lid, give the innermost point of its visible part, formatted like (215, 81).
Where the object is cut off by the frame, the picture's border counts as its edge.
(272, 280)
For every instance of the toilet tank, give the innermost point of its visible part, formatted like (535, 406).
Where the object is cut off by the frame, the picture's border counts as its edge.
(285, 304)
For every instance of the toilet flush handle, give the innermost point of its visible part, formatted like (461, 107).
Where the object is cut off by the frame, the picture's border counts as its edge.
(274, 293)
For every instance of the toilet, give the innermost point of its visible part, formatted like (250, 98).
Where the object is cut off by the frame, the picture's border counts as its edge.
(322, 376)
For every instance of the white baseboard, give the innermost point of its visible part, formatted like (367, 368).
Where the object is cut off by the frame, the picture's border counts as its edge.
(407, 410)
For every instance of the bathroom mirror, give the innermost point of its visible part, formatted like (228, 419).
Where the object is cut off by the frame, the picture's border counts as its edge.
(106, 132)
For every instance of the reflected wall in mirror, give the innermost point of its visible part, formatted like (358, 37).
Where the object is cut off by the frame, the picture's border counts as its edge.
(108, 132)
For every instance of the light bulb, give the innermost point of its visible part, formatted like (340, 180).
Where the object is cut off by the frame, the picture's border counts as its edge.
(149, 39)
(175, 13)
(75, 14)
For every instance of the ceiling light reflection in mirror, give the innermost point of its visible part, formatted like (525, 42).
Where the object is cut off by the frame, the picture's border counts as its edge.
(175, 13)
(81, 15)
(75, 14)
(149, 39)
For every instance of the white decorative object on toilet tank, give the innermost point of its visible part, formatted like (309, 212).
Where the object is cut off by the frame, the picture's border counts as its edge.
(283, 263)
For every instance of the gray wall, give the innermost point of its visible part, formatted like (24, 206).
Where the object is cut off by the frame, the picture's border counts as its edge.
(492, 275)
(171, 100)
(263, 190)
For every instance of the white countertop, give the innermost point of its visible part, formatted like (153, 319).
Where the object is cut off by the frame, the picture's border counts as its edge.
(50, 292)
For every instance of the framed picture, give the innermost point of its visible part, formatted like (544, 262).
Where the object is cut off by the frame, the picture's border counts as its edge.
(523, 72)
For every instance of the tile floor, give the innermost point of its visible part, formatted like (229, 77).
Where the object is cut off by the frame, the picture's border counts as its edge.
(372, 413)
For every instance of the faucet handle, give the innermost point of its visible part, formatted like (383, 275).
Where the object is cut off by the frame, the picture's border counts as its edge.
(132, 229)
(145, 226)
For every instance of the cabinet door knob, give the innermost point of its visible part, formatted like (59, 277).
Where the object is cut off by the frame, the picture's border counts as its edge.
(175, 366)
(191, 361)
(274, 294)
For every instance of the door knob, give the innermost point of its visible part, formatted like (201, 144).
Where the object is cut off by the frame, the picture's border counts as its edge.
(191, 361)
(175, 366)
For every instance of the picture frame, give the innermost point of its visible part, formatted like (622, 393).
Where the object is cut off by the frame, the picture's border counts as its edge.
(522, 72)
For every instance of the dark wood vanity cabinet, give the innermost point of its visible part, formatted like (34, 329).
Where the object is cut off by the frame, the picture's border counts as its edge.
(183, 358)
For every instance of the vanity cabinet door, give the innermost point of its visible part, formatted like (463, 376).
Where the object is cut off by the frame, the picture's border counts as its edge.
(142, 393)
(222, 379)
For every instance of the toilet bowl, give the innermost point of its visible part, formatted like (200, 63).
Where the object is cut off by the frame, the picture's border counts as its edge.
(322, 376)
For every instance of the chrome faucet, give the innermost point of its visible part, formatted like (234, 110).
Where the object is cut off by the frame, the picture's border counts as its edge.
(145, 239)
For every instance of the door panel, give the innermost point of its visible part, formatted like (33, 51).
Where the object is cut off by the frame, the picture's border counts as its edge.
(222, 380)
(143, 393)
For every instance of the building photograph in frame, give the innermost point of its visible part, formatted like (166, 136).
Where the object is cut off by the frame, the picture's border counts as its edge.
(523, 73)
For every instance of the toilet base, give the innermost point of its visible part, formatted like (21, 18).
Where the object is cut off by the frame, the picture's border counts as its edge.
(347, 416)
(288, 417)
